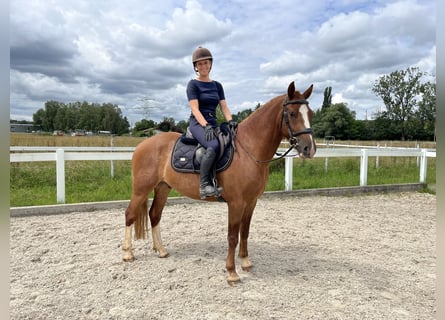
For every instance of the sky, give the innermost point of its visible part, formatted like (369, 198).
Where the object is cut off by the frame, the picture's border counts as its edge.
(137, 53)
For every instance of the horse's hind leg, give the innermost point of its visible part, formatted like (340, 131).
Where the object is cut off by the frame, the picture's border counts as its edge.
(160, 198)
(136, 208)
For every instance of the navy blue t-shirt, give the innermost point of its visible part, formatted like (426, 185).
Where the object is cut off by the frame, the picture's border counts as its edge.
(208, 94)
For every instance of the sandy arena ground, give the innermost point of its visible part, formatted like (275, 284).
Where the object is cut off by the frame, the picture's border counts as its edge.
(318, 257)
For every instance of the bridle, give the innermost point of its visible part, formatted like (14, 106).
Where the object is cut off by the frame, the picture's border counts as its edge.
(293, 136)
(293, 140)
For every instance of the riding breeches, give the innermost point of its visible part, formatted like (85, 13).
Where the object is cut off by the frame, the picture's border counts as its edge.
(199, 134)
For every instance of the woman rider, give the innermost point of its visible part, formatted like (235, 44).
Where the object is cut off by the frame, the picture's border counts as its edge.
(204, 95)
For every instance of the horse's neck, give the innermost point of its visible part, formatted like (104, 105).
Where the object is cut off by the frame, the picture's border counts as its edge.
(260, 133)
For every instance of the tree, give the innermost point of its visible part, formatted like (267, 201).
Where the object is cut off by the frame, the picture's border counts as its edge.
(241, 115)
(47, 116)
(426, 113)
(385, 129)
(88, 116)
(399, 91)
(327, 98)
(144, 124)
(219, 115)
(337, 120)
(182, 125)
(93, 117)
(168, 124)
(38, 117)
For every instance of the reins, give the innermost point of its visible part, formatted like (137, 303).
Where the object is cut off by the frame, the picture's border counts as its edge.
(293, 136)
(282, 155)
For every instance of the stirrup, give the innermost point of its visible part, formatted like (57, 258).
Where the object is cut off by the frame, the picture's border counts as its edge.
(205, 193)
(218, 191)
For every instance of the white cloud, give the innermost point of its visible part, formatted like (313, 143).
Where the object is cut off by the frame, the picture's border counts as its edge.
(124, 52)
(338, 98)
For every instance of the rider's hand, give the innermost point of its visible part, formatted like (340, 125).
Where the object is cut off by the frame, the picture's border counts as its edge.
(209, 132)
(233, 124)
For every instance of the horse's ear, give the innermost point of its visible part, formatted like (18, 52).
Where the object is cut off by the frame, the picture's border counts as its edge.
(308, 92)
(291, 90)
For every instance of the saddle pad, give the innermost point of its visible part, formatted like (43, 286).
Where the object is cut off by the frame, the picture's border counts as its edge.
(184, 158)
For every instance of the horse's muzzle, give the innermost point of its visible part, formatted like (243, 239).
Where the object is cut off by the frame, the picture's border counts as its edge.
(307, 149)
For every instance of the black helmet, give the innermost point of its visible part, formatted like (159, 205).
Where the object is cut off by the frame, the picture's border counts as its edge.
(201, 53)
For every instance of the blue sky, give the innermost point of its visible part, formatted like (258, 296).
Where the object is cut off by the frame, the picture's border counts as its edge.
(137, 54)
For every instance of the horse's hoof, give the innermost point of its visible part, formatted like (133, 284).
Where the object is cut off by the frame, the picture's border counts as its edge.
(233, 278)
(163, 253)
(246, 268)
(246, 265)
(128, 258)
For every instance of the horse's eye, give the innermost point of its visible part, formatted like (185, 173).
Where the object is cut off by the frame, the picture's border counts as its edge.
(293, 114)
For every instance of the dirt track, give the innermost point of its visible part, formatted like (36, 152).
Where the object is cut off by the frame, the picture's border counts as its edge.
(360, 257)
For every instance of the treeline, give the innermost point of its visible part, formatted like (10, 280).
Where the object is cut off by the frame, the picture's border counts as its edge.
(91, 117)
(147, 127)
(339, 121)
(409, 113)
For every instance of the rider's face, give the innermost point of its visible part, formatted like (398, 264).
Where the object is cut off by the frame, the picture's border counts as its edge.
(203, 66)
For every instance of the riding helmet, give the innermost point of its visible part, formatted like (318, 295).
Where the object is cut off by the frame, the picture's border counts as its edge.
(201, 53)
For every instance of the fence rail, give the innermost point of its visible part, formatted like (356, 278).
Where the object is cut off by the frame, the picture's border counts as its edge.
(62, 154)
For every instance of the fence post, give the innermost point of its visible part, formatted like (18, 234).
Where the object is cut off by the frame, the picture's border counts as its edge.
(418, 159)
(377, 158)
(60, 175)
(326, 160)
(111, 163)
(423, 166)
(288, 172)
(364, 168)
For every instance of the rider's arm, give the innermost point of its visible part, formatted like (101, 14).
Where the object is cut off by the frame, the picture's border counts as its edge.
(194, 105)
(225, 110)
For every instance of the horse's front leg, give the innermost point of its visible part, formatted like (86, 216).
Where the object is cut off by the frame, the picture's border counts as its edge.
(233, 237)
(244, 235)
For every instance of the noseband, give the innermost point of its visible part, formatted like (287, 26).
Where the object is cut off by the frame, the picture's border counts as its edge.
(293, 140)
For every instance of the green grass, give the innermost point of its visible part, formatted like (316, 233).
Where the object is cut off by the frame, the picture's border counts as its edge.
(34, 183)
(344, 172)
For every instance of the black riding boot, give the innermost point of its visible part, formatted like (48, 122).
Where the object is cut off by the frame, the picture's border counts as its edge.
(207, 188)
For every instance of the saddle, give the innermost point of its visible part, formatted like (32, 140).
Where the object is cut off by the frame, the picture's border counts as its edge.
(187, 152)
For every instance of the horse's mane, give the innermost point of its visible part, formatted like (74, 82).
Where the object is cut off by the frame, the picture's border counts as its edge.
(272, 101)
(262, 107)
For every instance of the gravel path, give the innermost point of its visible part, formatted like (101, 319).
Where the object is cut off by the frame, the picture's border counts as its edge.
(358, 257)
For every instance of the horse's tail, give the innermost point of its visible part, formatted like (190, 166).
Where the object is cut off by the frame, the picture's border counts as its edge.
(141, 222)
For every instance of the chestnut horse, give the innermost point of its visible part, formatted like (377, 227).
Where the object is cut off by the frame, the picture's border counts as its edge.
(258, 137)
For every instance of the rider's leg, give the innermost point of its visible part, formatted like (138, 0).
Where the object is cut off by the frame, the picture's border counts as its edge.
(206, 187)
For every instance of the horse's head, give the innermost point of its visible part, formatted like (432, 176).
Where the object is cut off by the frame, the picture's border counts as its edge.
(297, 117)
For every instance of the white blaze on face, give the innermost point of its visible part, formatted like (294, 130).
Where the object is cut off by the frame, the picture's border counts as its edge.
(304, 111)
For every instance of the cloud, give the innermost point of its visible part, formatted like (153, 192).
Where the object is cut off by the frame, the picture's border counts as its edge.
(131, 52)
(75, 52)
(349, 51)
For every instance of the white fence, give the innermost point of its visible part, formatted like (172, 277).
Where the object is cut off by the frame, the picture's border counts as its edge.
(62, 154)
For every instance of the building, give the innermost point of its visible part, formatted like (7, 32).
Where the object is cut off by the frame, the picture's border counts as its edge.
(24, 127)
